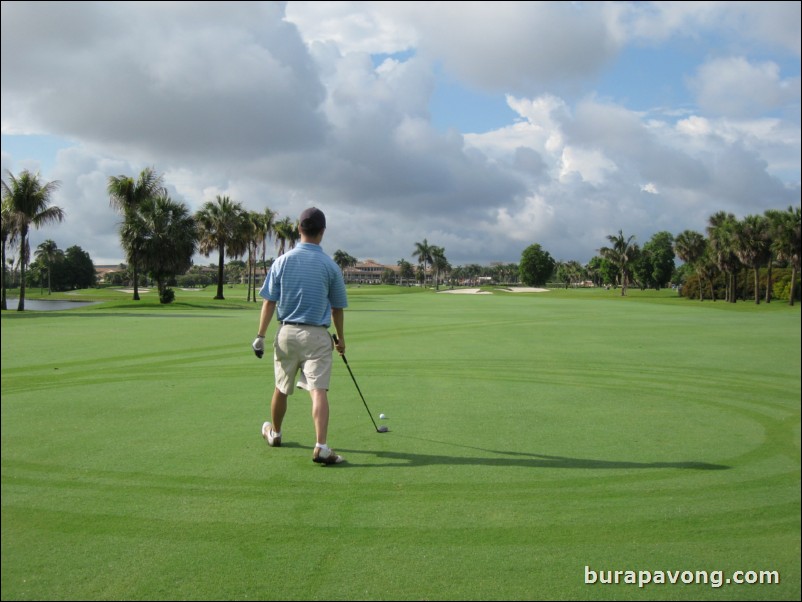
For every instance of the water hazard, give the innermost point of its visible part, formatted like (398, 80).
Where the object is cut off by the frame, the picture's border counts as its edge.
(46, 304)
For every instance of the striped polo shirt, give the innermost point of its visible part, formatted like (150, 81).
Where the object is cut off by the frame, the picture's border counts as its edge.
(305, 283)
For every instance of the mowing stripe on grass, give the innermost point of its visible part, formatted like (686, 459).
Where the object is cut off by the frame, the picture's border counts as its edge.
(531, 436)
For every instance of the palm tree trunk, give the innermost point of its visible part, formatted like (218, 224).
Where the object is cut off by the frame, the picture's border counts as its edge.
(252, 271)
(3, 302)
(251, 278)
(726, 287)
(248, 277)
(745, 292)
(220, 274)
(768, 283)
(793, 285)
(757, 287)
(23, 261)
(134, 262)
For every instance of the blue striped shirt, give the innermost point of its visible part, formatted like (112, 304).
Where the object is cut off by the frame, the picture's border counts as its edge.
(305, 283)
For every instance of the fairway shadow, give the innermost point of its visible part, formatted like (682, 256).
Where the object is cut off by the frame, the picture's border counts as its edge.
(520, 459)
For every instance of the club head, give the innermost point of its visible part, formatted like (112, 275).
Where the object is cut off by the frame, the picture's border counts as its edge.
(382, 429)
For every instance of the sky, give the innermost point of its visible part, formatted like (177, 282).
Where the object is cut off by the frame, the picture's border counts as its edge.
(480, 127)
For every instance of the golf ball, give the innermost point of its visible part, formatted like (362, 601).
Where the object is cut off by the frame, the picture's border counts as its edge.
(382, 416)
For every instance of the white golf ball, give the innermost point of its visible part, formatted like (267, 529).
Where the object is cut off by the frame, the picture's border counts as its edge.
(382, 416)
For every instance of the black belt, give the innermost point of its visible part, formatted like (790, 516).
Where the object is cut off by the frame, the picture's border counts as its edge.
(299, 324)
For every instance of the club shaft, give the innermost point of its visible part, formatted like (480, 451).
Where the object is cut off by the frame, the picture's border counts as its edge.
(360, 394)
(362, 397)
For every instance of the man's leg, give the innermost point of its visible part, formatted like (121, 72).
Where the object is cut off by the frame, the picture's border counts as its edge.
(323, 454)
(320, 414)
(278, 407)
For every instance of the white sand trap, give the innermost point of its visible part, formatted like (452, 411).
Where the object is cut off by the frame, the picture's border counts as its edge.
(466, 291)
(477, 291)
(524, 289)
(130, 290)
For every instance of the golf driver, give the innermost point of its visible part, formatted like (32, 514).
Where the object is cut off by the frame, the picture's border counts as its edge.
(379, 429)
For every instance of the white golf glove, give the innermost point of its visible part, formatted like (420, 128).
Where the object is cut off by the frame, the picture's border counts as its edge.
(259, 346)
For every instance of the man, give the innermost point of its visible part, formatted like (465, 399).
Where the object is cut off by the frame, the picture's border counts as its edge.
(305, 290)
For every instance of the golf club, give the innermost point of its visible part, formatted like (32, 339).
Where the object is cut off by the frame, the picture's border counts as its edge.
(379, 429)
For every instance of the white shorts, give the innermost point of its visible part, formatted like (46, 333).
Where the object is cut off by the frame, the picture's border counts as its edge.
(305, 348)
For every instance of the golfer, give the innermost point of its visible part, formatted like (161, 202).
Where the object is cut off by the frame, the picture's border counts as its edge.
(306, 292)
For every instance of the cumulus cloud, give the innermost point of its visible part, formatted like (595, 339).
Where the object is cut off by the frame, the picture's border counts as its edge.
(213, 80)
(763, 24)
(736, 87)
(284, 105)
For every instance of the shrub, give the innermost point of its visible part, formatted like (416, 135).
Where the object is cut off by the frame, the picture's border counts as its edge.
(167, 295)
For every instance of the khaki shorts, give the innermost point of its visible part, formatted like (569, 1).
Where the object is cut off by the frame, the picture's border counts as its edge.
(305, 348)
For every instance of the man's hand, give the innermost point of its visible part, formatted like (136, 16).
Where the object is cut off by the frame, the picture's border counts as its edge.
(259, 346)
(339, 344)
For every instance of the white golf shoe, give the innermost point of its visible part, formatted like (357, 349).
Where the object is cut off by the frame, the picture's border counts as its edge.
(273, 438)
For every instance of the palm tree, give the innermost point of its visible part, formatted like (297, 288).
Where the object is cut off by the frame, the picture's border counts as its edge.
(690, 247)
(751, 245)
(255, 236)
(9, 237)
(294, 235)
(474, 272)
(258, 225)
(621, 255)
(133, 234)
(283, 229)
(220, 226)
(268, 221)
(707, 269)
(568, 272)
(439, 264)
(29, 204)
(405, 272)
(424, 254)
(721, 235)
(788, 244)
(775, 222)
(344, 260)
(126, 195)
(795, 248)
(169, 242)
(47, 252)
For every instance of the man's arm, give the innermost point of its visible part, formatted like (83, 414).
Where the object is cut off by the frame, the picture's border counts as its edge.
(268, 308)
(338, 319)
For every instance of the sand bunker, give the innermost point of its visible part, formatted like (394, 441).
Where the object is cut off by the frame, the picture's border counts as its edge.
(476, 291)
(524, 289)
(466, 291)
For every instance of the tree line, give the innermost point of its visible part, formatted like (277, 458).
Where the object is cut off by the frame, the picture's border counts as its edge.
(754, 243)
(751, 247)
(55, 269)
(711, 268)
(159, 237)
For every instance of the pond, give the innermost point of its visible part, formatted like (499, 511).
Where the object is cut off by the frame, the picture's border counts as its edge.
(46, 304)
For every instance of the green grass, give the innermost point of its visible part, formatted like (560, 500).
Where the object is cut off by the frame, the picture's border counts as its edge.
(532, 435)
